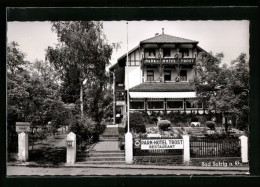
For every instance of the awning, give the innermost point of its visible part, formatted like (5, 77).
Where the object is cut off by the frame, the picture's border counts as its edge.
(172, 95)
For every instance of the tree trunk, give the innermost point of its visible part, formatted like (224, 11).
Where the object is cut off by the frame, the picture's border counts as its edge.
(81, 100)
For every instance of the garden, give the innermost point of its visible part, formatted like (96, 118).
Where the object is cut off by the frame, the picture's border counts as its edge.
(175, 125)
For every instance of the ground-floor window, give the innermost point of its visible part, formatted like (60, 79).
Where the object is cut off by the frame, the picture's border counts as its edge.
(174, 104)
(155, 104)
(193, 104)
(137, 105)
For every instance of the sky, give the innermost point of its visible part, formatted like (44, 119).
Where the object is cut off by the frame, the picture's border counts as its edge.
(229, 37)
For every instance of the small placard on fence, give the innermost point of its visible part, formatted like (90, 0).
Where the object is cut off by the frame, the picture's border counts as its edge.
(150, 144)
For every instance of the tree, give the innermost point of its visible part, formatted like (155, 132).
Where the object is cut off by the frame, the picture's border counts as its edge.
(32, 94)
(82, 53)
(239, 87)
(15, 58)
(223, 89)
(207, 78)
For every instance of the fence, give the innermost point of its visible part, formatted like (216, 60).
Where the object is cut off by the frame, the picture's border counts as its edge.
(205, 147)
(137, 151)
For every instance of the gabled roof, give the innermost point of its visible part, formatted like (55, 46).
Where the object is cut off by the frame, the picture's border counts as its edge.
(123, 56)
(163, 87)
(165, 38)
(132, 50)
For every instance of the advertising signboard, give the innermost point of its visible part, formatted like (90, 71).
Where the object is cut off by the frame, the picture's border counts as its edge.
(149, 144)
(22, 127)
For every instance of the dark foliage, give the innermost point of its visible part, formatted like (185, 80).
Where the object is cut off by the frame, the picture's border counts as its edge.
(137, 122)
(211, 125)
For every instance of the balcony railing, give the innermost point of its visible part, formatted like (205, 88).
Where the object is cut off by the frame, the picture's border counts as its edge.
(169, 61)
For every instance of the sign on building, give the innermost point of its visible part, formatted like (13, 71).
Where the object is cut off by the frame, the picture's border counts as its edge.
(22, 127)
(149, 144)
(120, 103)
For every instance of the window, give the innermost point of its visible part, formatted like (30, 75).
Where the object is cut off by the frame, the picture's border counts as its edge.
(193, 104)
(120, 96)
(136, 105)
(183, 75)
(155, 104)
(166, 52)
(174, 104)
(151, 52)
(167, 75)
(150, 75)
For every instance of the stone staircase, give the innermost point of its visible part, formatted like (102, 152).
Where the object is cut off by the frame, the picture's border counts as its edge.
(110, 134)
(106, 151)
(102, 157)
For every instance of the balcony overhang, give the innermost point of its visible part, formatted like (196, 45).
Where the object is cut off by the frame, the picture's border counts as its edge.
(161, 95)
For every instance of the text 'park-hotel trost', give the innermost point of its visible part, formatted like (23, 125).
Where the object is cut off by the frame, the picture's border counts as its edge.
(159, 71)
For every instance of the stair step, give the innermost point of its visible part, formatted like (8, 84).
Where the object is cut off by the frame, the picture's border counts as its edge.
(103, 162)
(108, 139)
(108, 159)
(100, 154)
(106, 154)
(106, 134)
(110, 151)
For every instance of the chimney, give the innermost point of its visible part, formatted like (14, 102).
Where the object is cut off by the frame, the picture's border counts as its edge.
(162, 30)
(156, 34)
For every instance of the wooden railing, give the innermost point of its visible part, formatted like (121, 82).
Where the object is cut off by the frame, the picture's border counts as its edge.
(168, 61)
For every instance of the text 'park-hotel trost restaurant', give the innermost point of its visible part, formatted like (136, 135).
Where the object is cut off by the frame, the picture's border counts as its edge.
(159, 71)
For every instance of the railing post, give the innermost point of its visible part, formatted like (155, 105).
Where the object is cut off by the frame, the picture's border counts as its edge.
(244, 148)
(186, 149)
(71, 148)
(128, 148)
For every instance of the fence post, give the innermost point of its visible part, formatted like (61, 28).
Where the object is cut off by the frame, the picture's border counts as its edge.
(71, 148)
(128, 148)
(186, 148)
(244, 148)
(23, 148)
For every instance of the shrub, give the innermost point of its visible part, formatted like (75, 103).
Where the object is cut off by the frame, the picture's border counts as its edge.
(137, 122)
(202, 119)
(211, 125)
(83, 128)
(164, 125)
(194, 119)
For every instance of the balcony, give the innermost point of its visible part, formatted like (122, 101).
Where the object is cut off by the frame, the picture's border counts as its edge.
(169, 61)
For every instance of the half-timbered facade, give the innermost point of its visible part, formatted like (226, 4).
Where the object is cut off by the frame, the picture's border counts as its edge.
(159, 71)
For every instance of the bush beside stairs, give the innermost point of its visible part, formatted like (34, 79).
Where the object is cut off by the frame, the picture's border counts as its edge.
(197, 131)
(106, 151)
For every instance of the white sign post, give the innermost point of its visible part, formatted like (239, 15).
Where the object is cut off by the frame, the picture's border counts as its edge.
(186, 148)
(128, 148)
(71, 148)
(23, 145)
(23, 148)
(244, 148)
